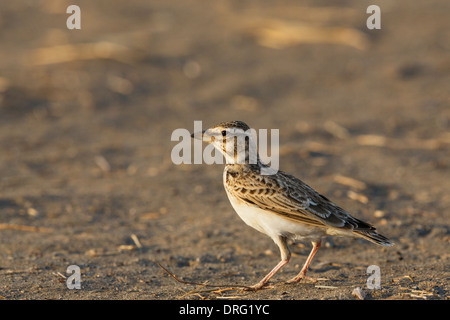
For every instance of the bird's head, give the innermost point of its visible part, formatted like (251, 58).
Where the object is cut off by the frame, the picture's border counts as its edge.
(233, 139)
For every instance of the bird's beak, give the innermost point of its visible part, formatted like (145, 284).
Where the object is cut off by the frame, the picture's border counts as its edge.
(205, 135)
(201, 135)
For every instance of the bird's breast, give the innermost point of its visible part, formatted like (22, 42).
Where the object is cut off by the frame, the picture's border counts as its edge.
(272, 224)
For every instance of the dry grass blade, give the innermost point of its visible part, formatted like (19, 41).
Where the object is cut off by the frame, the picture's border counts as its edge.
(204, 284)
(279, 34)
(136, 241)
(347, 181)
(357, 197)
(359, 293)
(82, 51)
(421, 294)
(325, 287)
(372, 140)
(336, 130)
(7, 226)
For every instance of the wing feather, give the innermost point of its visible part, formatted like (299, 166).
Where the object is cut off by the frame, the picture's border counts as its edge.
(288, 196)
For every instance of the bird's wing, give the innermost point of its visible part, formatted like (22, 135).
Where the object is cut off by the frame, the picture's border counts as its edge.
(288, 196)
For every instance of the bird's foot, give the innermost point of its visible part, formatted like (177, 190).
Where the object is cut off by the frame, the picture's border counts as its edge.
(257, 286)
(300, 276)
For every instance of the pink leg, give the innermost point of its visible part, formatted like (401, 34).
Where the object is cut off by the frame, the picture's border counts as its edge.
(302, 273)
(285, 256)
(266, 279)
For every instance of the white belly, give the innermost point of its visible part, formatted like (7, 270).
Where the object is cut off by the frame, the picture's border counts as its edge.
(272, 224)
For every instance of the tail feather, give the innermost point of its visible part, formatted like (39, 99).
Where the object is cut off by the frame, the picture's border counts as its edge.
(374, 237)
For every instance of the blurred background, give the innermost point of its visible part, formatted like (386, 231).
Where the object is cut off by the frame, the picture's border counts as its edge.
(86, 118)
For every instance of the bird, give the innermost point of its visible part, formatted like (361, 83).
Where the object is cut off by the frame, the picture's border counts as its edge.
(278, 204)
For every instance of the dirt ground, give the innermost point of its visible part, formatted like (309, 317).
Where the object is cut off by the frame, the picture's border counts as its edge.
(86, 117)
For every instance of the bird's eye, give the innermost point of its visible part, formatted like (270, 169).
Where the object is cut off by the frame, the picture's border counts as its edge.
(224, 133)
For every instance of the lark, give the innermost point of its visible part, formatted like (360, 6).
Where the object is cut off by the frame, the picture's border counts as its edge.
(279, 205)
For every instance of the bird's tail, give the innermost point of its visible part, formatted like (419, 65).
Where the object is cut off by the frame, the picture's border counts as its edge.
(373, 236)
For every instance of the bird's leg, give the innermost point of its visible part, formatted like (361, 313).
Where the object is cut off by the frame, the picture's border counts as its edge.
(285, 256)
(302, 273)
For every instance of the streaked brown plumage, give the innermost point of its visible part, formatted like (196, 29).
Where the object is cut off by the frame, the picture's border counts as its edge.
(280, 205)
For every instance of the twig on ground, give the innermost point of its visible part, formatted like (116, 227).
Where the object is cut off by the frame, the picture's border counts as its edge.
(7, 226)
(205, 284)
